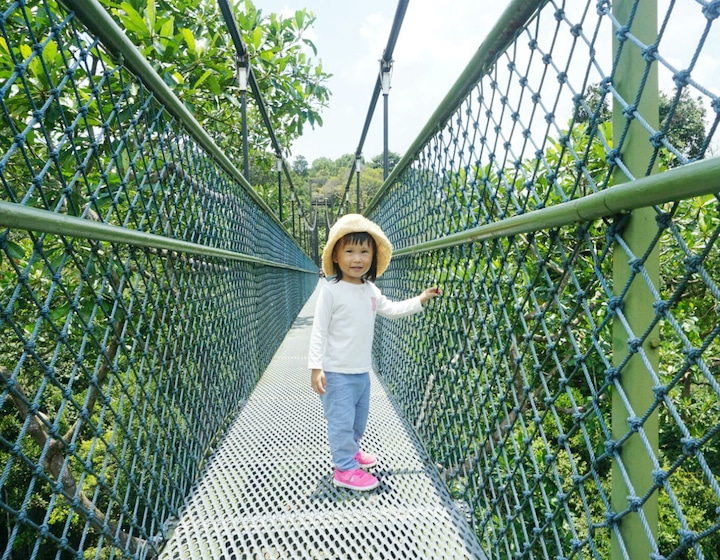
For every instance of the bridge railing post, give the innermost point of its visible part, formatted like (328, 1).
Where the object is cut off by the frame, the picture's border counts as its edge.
(635, 529)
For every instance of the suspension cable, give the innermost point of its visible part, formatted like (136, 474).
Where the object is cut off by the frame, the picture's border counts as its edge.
(385, 61)
(243, 55)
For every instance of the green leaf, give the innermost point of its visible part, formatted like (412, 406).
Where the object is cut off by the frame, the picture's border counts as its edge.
(189, 40)
(310, 44)
(150, 14)
(50, 52)
(57, 313)
(14, 250)
(132, 20)
(178, 77)
(214, 86)
(202, 78)
(257, 37)
(167, 31)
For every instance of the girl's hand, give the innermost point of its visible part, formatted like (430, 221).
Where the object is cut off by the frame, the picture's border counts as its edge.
(317, 381)
(429, 294)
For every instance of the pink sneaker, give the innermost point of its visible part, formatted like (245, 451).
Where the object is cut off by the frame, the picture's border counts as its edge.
(356, 479)
(366, 460)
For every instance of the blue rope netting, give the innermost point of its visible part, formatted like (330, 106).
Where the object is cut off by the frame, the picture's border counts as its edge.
(121, 364)
(524, 385)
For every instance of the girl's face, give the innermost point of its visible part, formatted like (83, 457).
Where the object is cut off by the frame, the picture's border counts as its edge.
(354, 260)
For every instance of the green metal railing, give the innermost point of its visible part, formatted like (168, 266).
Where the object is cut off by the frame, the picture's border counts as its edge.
(144, 287)
(567, 385)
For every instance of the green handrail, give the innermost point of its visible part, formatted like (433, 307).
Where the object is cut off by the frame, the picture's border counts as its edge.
(99, 22)
(695, 179)
(14, 215)
(513, 20)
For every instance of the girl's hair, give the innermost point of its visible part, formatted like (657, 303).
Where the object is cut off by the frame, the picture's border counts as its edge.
(357, 238)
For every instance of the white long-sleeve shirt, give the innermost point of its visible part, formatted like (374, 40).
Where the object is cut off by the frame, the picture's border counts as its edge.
(344, 324)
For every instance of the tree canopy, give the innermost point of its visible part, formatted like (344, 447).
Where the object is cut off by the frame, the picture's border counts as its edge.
(188, 43)
(681, 117)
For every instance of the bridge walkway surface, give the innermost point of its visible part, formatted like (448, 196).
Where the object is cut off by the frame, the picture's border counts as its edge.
(267, 490)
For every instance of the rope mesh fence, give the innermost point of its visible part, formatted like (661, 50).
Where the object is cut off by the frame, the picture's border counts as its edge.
(524, 381)
(122, 364)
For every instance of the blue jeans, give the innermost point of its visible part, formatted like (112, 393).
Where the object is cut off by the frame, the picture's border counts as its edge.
(346, 403)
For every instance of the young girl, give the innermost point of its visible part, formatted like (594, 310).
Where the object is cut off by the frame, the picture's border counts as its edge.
(357, 252)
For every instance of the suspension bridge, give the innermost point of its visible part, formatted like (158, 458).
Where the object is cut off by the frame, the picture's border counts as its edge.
(559, 401)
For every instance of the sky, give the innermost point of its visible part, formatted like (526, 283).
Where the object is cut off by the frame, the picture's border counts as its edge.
(435, 43)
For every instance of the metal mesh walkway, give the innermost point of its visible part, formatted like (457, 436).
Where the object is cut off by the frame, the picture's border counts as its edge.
(267, 491)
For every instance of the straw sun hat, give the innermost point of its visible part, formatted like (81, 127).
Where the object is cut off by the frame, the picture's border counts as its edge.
(355, 223)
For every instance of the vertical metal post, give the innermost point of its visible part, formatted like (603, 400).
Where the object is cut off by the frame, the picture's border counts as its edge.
(386, 74)
(386, 161)
(279, 166)
(637, 306)
(292, 203)
(314, 242)
(358, 168)
(243, 71)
